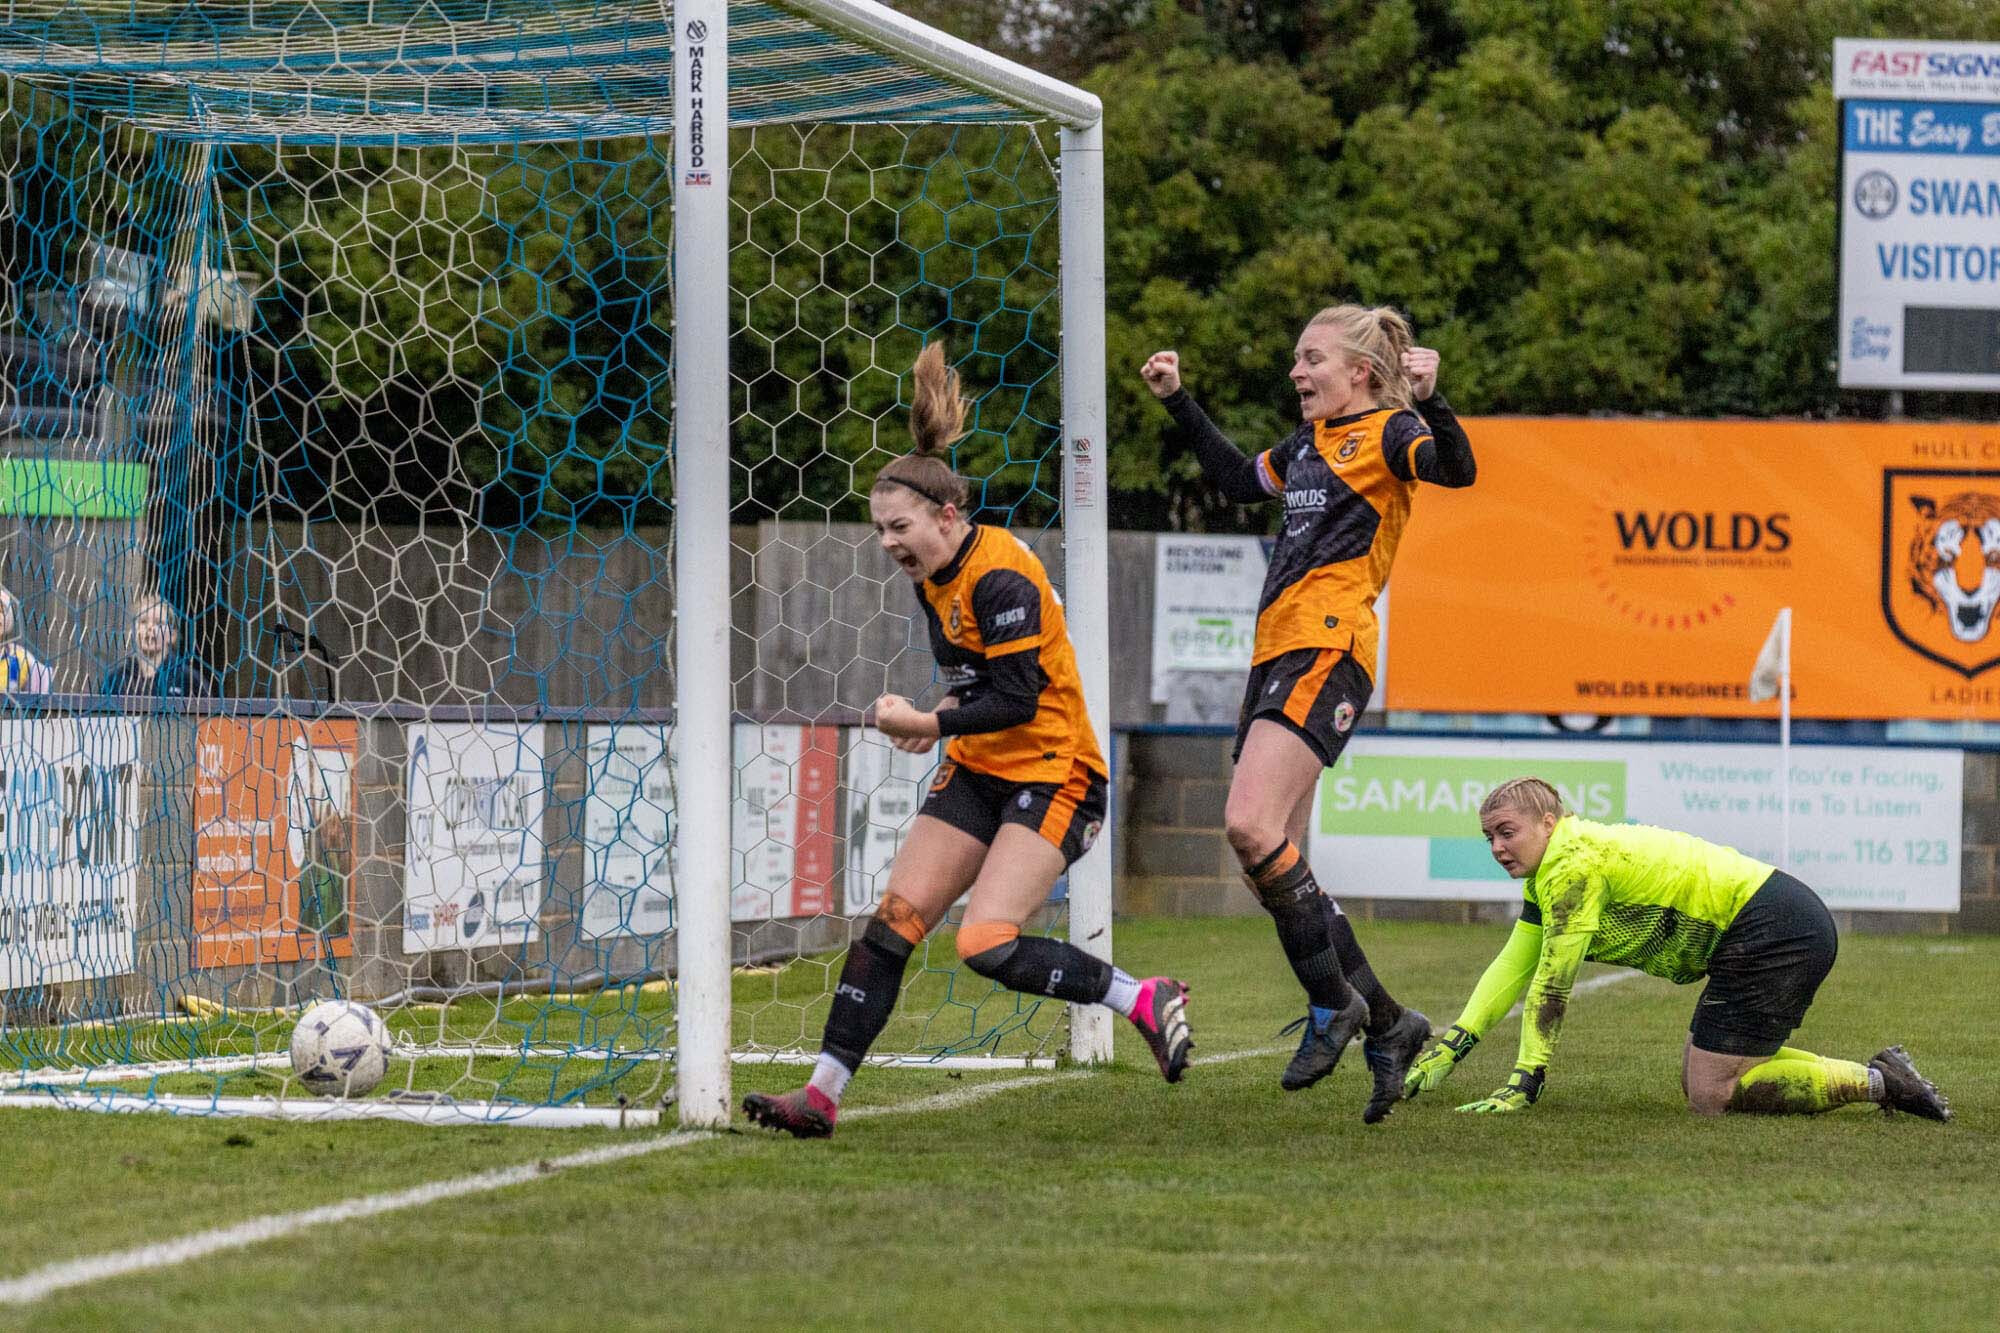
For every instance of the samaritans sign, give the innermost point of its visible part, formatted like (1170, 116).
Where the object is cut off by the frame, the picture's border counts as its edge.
(1430, 796)
(1871, 828)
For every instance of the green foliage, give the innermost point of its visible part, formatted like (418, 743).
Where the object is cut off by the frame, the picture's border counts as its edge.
(1585, 205)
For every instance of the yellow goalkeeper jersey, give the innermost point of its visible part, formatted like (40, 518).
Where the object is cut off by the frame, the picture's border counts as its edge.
(1647, 897)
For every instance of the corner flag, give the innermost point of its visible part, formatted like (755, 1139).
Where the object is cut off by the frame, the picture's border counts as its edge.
(1774, 660)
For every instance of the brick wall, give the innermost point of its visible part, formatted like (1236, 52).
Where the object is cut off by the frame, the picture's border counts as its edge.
(1979, 856)
(1174, 860)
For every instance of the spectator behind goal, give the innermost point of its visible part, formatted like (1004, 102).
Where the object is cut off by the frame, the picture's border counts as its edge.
(156, 668)
(21, 672)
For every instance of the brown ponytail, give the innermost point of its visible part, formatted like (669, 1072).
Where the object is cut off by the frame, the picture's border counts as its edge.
(937, 421)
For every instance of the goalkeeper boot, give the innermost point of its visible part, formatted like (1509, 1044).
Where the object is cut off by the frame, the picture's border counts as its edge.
(1904, 1089)
(1161, 1017)
(1389, 1058)
(1322, 1042)
(805, 1114)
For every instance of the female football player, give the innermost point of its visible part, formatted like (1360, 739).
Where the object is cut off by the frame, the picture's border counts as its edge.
(1347, 476)
(1021, 792)
(1673, 906)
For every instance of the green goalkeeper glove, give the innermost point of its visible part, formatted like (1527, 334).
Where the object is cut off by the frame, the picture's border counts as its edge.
(1435, 1065)
(1523, 1087)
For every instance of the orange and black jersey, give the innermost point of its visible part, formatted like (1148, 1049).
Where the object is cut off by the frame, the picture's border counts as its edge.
(1002, 644)
(1348, 485)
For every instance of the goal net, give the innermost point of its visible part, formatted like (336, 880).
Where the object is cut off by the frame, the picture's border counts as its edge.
(433, 518)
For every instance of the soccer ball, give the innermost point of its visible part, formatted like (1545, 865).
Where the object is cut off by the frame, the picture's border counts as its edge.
(340, 1049)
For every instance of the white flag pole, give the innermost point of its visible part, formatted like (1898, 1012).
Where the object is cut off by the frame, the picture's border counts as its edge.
(1785, 736)
(1773, 676)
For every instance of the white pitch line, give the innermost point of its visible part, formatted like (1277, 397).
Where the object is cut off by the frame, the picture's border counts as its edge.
(47, 1281)
(1591, 984)
(957, 1097)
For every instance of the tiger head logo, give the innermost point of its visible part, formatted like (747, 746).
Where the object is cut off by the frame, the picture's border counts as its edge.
(1954, 560)
(1941, 565)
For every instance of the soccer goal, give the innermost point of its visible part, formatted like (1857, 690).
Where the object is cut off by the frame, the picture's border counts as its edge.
(433, 514)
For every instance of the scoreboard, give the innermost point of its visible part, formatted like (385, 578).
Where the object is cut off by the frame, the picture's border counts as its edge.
(1919, 214)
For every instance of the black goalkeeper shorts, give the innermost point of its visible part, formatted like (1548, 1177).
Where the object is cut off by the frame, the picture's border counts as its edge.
(1765, 970)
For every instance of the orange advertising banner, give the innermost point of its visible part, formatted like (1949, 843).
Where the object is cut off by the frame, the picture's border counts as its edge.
(1625, 566)
(274, 840)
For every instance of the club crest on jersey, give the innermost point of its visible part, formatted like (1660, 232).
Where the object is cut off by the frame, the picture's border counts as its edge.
(1349, 447)
(957, 618)
(1343, 716)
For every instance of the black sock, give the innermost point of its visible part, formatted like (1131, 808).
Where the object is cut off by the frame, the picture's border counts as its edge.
(1284, 883)
(870, 980)
(1037, 965)
(1383, 1011)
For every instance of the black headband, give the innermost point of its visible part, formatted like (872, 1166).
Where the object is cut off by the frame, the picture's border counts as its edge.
(913, 486)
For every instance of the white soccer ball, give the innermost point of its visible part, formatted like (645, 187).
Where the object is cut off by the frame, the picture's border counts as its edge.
(340, 1048)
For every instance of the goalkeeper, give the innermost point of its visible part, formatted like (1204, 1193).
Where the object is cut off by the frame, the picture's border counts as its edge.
(1674, 906)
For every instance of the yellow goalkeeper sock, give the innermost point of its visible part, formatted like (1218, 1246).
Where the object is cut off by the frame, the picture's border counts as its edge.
(1795, 1082)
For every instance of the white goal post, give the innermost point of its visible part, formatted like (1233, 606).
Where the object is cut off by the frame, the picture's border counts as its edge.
(701, 315)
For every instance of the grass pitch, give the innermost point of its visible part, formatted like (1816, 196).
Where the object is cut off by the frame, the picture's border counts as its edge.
(1109, 1200)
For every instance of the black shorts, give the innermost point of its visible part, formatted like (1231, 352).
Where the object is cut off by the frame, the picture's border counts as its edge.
(1068, 815)
(1765, 970)
(1315, 693)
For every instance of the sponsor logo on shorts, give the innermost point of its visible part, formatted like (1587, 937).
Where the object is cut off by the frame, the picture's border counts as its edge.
(1343, 716)
(1090, 832)
(1025, 799)
(944, 776)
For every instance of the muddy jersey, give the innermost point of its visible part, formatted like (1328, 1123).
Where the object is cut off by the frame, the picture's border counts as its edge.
(992, 601)
(1646, 897)
(1629, 894)
(1347, 485)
